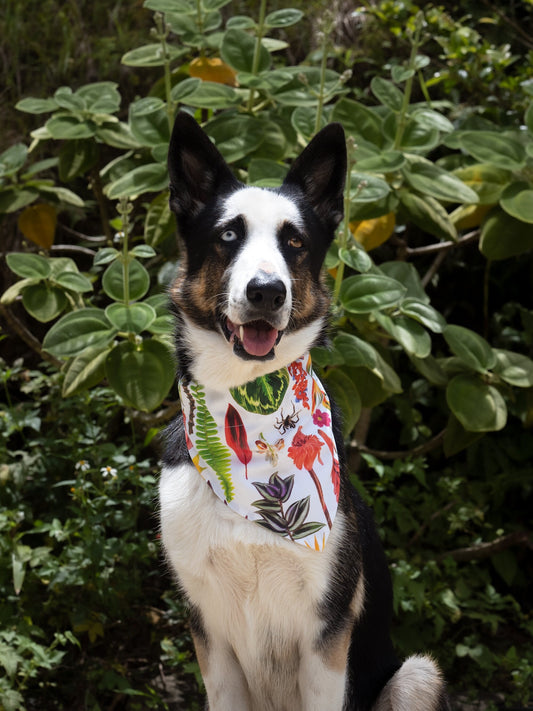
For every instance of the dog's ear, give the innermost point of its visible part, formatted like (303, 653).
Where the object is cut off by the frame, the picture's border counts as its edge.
(196, 168)
(320, 172)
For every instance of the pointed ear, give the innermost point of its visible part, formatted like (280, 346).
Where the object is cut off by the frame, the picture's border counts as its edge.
(196, 168)
(320, 172)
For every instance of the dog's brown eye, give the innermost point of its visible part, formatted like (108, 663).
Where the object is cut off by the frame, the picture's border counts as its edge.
(228, 236)
(295, 242)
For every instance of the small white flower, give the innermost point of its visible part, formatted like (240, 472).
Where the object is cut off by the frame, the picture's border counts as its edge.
(108, 471)
(83, 465)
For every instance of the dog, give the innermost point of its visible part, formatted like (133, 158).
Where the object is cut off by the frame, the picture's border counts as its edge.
(289, 592)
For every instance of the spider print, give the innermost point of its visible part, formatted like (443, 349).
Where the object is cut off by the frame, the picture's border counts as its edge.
(288, 422)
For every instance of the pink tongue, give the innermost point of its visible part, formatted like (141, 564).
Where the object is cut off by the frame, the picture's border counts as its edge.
(258, 341)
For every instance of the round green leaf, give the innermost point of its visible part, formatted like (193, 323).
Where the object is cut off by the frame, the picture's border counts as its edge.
(211, 95)
(85, 370)
(488, 181)
(493, 147)
(356, 258)
(13, 159)
(16, 289)
(516, 369)
(134, 318)
(78, 330)
(69, 127)
(477, 406)
(355, 352)
(105, 255)
(359, 120)
(237, 50)
(151, 55)
(76, 158)
(430, 179)
(347, 397)
(517, 201)
(424, 314)
(74, 281)
(31, 266)
(283, 18)
(386, 93)
(367, 188)
(138, 280)
(141, 374)
(183, 89)
(160, 222)
(428, 214)
(470, 347)
(149, 178)
(36, 106)
(44, 302)
(503, 236)
(409, 334)
(364, 293)
(143, 251)
(386, 162)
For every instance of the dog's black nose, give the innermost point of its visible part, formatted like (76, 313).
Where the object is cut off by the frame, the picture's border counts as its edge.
(266, 292)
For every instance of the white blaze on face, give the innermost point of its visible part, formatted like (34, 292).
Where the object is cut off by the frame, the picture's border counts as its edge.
(264, 213)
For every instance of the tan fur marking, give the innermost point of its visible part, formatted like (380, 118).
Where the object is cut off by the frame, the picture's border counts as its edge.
(335, 655)
(202, 654)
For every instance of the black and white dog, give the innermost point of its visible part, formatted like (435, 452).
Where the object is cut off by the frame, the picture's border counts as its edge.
(279, 559)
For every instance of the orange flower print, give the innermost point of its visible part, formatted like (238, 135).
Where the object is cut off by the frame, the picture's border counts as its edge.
(304, 450)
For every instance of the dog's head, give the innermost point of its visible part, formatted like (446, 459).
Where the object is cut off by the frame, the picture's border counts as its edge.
(249, 289)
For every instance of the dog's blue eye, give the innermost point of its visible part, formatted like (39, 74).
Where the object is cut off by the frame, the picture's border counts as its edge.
(228, 236)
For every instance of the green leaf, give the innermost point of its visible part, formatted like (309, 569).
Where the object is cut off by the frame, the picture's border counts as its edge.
(78, 330)
(457, 438)
(364, 293)
(148, 121)
(67, 127)
(386, 162)
(428, 215)
(303, 120)
(13, 159)
(283, 18)
(514, 368)
(143, 251)
(13, 199)
(159, 222)
(44, 302)
(185, 88)
(477, 406)
(238, 49)
(236, 136)
(409, 334)
(85, 370)
(31, 266)
(74, 281)
(488, 181)
(356, 258)
(211, 95)
(76, 158)
(367, 188)
(470, 347)
(100, 97)
(151, 55)
(266, 173)
(355, 352)
(430, 119)
(133, 318)
(105, 255)
(431, 370)
(36, 106)
(493, 147)
(407, 274)
(517, 201)
(113, 281)
(430, 179)
(16, 289)
(359, 120)
(62, 194)
(150, 178)
(503, 236)
(346, 395)
(141, 375)
(386, 93)
(66, 99)
(424, 314)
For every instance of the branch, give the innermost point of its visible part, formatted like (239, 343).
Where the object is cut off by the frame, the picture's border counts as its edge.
(73, 248)
(15, 325)
(485, 550)
(402, 453)
(440, 246)
(151, 419)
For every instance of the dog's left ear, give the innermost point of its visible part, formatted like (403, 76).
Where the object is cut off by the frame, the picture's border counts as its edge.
(320, 172)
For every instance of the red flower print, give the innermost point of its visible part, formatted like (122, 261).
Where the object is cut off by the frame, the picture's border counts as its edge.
(299, 386)
(335, 467)
(321, 419)
(304, 450)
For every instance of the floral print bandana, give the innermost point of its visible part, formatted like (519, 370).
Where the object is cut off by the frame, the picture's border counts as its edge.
(266, 448)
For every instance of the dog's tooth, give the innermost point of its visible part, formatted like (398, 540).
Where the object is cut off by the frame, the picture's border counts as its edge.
(241, 332)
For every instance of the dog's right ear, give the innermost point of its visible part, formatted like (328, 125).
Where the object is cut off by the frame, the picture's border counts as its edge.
(196, 168)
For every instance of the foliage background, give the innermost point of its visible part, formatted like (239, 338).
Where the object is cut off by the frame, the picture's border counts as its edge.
(88, 615)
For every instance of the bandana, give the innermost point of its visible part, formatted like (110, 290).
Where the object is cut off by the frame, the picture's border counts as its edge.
(267, 450)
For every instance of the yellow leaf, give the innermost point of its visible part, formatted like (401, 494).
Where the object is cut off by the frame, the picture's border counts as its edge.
(38, 224)
(466, 217)
(212, 70)
(371, 233)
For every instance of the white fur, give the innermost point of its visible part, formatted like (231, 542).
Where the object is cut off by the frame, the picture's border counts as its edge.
(416, 686)
(257, 593)
(264, 213)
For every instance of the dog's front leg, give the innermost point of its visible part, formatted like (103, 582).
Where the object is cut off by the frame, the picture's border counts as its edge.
(323, 683)
(223, 677)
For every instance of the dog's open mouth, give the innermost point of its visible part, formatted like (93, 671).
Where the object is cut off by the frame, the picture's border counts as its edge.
(255, 339)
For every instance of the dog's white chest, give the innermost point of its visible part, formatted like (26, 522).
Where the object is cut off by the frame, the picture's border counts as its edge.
(257, 592)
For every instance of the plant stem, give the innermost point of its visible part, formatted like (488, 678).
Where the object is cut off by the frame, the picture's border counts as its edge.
(343, 242)
(257, 50)
(321, 96)
(402, 118)
(124, 209)
(162, 34)
(96, 185)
